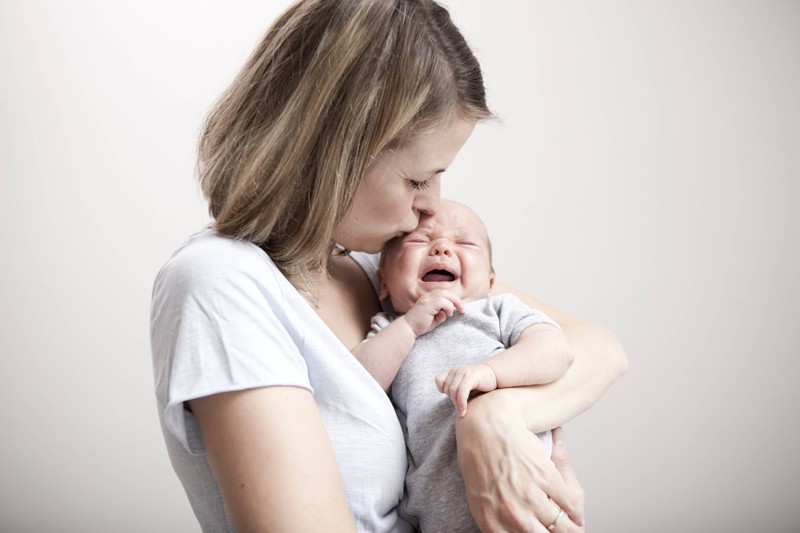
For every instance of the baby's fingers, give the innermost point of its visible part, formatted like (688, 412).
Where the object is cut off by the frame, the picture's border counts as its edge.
(440, 317)
(453, 301)
(440, 380)
(458, 387)
(447, 382)
(462, 396)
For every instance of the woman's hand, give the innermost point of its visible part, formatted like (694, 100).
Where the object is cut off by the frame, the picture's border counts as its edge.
(511, 483)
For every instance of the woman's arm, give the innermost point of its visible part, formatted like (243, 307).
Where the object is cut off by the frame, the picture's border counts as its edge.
(540, 355)
(509, 480)
(273, 460)
(599, 362)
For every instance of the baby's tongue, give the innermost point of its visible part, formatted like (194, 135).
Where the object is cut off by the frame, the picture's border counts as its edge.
(438, 275)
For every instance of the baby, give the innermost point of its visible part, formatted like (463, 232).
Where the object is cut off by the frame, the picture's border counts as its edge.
(450, 336)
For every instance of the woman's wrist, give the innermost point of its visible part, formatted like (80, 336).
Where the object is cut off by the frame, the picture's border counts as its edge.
(489, 413)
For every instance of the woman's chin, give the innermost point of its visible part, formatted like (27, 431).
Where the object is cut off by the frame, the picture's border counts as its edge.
(366, 248)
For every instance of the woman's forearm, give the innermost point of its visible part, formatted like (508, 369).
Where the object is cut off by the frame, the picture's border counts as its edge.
(599, 362)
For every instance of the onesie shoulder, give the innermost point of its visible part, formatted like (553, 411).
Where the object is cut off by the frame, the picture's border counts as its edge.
(515, 316)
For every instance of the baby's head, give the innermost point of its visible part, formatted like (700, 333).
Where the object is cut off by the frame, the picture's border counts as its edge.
(449, 250)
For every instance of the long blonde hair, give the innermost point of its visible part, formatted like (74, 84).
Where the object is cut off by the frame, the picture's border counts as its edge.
(331, 84)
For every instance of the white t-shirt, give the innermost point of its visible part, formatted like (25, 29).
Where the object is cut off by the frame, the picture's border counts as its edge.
(224, 318)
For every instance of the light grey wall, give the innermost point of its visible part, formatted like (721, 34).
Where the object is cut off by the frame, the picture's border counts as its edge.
(645, 176)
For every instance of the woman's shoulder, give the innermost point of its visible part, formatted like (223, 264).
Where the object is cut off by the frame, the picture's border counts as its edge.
(208, 266)
(209, 258)
(207, 248)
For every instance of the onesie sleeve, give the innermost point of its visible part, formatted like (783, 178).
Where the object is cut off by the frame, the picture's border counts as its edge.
(378, 322)
(219, 323)
(515, 316)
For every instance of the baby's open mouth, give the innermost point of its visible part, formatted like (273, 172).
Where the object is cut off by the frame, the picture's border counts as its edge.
(438, 275)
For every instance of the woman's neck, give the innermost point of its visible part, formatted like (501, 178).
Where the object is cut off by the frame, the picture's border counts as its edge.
(345, 299)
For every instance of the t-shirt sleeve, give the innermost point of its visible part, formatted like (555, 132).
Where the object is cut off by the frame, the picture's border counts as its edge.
(370, 264)
(515, 316)
(219, 324)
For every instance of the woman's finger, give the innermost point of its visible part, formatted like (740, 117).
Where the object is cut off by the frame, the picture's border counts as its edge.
(561, 522)
(564, 494)
(519, 489)
(550, 514)
(571, 502)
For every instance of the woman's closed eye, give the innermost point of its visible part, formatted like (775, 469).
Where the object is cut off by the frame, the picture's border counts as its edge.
(418, 185)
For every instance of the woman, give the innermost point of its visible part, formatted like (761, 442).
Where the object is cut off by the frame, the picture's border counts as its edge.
(337, 130)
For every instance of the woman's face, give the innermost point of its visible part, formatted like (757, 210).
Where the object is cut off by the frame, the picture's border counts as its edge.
(400, 184)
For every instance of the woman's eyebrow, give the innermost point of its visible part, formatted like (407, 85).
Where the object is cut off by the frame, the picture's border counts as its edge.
(432, 172)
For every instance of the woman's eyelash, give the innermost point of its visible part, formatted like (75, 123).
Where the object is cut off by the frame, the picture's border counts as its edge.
(418, 185)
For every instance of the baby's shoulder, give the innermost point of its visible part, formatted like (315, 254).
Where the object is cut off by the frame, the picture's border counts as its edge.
(504, 300)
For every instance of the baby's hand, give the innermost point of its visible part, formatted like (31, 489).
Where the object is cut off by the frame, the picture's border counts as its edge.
(431, 310)
(459, 381)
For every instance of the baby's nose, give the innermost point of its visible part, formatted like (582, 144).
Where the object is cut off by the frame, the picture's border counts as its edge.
(441, 247)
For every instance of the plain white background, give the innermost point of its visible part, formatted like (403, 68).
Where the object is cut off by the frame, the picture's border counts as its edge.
(645, 175)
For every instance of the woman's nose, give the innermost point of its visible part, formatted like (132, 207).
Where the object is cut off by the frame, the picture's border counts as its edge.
(427, 201)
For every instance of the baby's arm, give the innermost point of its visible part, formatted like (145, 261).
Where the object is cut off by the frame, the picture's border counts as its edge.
(540, 355)
(384, 352)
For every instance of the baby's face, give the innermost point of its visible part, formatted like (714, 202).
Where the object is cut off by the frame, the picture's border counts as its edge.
(449, 250)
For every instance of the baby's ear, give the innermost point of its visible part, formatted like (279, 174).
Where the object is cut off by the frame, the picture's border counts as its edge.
(491, 280)
(384, 294)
